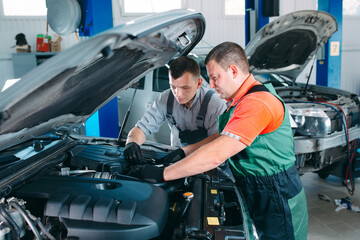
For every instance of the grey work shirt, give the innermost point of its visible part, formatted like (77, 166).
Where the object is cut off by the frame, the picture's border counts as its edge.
(184, 117)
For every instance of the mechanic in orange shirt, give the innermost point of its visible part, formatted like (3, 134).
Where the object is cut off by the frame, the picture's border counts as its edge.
(256, 137)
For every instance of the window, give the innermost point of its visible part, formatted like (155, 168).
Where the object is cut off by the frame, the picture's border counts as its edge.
(160, 79)
(234, 7)
(351, 7)
(148, 6)
(24, 8)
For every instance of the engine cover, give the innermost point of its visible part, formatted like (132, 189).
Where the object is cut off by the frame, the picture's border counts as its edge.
(102, 209)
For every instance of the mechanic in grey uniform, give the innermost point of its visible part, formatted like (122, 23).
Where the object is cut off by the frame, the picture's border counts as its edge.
(191, 118)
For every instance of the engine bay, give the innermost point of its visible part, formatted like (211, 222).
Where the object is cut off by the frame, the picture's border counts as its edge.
(81, 191)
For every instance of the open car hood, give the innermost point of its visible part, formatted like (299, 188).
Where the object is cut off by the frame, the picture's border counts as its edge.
(287, 44)
(63, 92)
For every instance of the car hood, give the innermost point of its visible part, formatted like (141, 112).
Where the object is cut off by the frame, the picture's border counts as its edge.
(287, 44)
(63, 92)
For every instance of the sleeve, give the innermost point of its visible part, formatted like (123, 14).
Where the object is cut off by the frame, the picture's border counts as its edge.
(154, 116)
(215, 108)
(249, 119)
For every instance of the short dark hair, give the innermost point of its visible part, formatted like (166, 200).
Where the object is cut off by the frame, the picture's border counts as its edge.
(228, 53)
(183, 64)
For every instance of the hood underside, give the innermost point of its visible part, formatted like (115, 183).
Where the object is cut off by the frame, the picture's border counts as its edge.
(74, 84)
(287, 44)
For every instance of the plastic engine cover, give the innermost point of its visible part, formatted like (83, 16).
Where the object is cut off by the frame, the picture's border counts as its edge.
(100, 208)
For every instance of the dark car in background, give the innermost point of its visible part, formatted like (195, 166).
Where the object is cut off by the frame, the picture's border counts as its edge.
(56, 184)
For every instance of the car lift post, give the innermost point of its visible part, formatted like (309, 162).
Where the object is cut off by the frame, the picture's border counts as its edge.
(257, 13)
(97, 17)
(328, 65)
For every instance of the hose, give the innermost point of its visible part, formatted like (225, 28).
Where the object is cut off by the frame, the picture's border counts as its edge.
(42, 227)
(27, 219)
(14, 227)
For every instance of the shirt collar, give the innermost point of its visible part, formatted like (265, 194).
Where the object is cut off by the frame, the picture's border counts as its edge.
(244, 88)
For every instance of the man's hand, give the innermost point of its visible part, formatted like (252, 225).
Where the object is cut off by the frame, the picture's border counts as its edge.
(132, 153)
(172, 157)
(148, 173)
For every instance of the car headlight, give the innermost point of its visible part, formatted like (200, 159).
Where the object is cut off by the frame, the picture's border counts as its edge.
(311, 121)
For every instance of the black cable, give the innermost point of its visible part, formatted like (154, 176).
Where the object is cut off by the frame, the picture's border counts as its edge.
(26, 218)
(356, 144)
(14, 227)
(346, 129)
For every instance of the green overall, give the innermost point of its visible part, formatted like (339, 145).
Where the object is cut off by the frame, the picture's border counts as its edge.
(267, 177)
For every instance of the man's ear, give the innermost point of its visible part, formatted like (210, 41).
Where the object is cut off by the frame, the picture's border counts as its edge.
(234, 70)
(199, 83)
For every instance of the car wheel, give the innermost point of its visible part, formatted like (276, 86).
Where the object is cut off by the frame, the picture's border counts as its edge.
(323, 175)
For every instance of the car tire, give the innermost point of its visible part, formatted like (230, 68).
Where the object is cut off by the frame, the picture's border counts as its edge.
(323, 175)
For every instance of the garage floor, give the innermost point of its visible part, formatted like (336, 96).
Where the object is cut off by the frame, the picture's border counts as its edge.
(324, 222)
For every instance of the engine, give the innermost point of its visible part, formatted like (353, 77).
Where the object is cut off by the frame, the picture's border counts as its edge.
(88, 195)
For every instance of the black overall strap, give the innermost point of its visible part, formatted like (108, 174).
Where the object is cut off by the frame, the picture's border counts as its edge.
(257, 88)
(202, 112)
(204, 106)
(169, 108)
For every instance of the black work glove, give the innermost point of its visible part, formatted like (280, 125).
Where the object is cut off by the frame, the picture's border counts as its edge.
(148, 173)
(132, 153)
(172, 157)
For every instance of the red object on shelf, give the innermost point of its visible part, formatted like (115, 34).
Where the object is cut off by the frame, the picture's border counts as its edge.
(43, 43)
